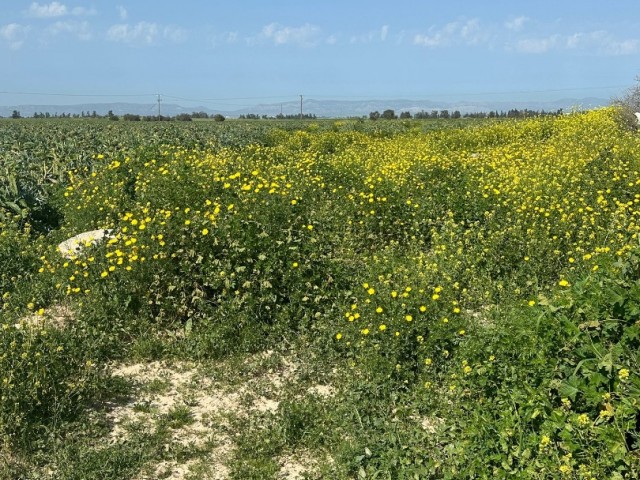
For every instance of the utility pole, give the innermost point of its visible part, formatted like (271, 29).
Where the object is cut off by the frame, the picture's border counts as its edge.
(300, 107)
(159, 100)
(280, 110)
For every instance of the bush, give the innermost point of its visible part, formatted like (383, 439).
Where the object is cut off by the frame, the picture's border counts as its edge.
(46, 375)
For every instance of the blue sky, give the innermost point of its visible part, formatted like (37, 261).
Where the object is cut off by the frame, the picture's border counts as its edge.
(226, 55)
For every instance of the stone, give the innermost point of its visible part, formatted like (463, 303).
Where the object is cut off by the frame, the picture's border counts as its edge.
(74, 245)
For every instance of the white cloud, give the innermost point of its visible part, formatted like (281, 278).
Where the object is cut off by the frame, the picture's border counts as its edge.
(331, 40)
(471, 32)
(630, 46)
(304, 36)
(467, 33)
(538, 45)
(57, 9)
(603, 43)
(122, 12)
(428, 40)
(53, 9)
(516, 23)
(14, 34)
(80, 30)
(599, 42)
(145, 33)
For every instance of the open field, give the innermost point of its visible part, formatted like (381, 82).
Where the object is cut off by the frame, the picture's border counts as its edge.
(330, 299)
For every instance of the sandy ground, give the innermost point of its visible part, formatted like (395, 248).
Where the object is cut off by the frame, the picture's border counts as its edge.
(162, 388)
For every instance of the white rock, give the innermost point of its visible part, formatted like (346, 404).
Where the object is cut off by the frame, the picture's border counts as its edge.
(74, 245)
(638, 117)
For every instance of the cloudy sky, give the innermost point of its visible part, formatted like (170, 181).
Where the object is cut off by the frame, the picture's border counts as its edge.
(225, 54)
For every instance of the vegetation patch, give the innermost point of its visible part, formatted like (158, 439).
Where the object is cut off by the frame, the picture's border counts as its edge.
(322, 300)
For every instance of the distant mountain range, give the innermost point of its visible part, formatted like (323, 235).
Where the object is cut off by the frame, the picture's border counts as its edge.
(320, 108)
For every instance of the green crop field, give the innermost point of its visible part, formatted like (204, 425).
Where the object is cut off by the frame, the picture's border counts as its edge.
(331, 299)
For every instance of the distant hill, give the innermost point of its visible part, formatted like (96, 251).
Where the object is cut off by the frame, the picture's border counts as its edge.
(320, 108)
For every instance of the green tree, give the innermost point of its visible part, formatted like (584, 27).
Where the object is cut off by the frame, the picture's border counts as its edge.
(631, 99)
(630, 104)
(389, 114)
(16, 114)
(374, 115)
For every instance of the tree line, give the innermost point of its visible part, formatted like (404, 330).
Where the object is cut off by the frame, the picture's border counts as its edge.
(280, 116)
(182, 117)
(388, 114)
(445, 114)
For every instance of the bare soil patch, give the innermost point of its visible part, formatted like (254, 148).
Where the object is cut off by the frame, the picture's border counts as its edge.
(200, 405)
